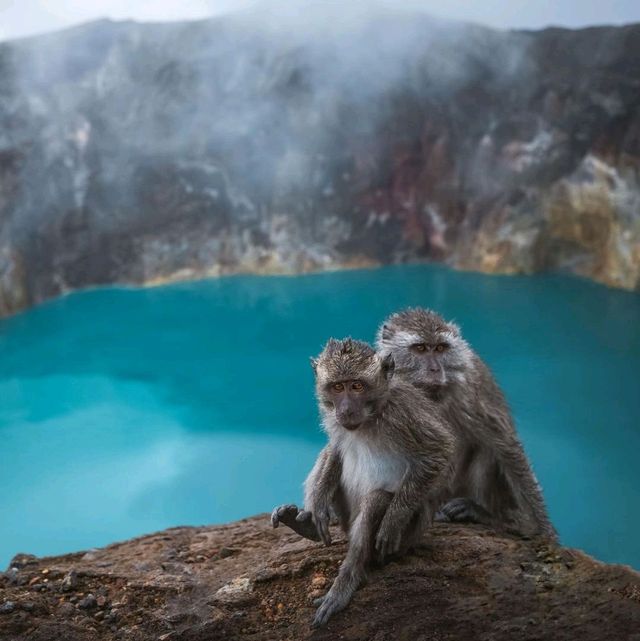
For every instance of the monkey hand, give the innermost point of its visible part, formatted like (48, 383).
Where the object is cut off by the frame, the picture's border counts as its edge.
(320, 515)
(389, 537)
(298, 520)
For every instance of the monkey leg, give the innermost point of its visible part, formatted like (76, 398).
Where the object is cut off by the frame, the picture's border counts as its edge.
(298, 520)
(464, 510)
(361, 544)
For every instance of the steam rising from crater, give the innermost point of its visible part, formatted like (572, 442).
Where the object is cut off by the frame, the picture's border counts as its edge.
(297, 137)
(266, 94)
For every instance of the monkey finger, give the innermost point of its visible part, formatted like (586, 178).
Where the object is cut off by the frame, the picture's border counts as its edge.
(380, 548)
(319, 619)
(318, 602)
(381, 539)
(459, 509)
(288, 508)
(326, 609)
(458, 513)
(322, 526)
(303, 515)
(286, 512)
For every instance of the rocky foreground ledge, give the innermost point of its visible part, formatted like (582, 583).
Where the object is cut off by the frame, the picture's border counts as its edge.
(247, 581)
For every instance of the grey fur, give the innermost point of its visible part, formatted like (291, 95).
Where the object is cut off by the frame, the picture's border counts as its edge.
(493, 482)
(383, 479)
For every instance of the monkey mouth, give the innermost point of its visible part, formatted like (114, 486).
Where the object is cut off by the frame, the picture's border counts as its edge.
(351, 426)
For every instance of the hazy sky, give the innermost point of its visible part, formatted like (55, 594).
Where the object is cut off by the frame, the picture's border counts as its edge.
(26, 17)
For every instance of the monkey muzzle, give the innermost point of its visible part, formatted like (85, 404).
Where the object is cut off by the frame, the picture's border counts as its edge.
(351, 412)
(349, 421)
(433, 372)
(348, 416)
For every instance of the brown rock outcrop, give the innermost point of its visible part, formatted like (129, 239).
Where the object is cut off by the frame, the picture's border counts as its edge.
(247, 581)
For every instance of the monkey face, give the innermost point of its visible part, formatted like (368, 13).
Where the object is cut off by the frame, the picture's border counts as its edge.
(351, 401)
(427, 350)
(429, 362)
(352, 382)
(424, 362)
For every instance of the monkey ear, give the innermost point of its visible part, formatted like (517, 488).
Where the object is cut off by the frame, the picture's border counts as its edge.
(314, 363)
(388, 366)
(386, 333)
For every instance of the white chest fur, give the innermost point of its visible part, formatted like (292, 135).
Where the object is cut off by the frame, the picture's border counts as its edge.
(366, 467)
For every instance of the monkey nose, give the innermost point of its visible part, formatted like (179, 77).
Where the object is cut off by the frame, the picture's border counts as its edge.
(348, 419)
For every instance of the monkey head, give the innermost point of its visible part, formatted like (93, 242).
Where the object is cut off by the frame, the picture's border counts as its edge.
(427, 350)
(352, 382)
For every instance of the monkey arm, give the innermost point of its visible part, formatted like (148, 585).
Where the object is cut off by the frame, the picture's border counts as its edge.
(324, 476)
(312, 522)
(320, 488)
(420, 487)
(353, 569)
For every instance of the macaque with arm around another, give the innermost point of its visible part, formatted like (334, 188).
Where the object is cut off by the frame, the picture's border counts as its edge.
(493, 482)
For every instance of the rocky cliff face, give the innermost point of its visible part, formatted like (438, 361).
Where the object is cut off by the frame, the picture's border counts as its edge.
(140, 153)
(247, 581)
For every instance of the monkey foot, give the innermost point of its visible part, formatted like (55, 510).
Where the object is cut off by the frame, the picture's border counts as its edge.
(463, 510)
(329, 605)
(299, 521)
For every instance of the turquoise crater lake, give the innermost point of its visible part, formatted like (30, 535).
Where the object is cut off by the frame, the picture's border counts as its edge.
(125, 411)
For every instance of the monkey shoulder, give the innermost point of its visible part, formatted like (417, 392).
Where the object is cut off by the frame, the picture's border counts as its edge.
(479, 405)
(484, 382)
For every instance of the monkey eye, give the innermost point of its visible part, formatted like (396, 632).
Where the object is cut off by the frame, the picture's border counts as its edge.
(337, 387)
(357, 386)
(420, 347)
(441, 347)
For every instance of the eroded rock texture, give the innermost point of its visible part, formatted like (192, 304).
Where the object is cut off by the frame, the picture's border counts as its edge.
(247, 581)
(141, 153)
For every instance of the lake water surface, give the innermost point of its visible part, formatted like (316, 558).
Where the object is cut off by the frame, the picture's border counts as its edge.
(127, 411)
